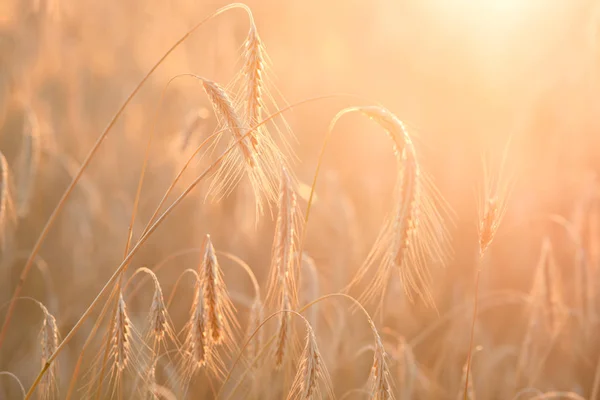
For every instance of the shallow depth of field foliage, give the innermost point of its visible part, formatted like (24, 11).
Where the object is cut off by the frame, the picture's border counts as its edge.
(299, 199)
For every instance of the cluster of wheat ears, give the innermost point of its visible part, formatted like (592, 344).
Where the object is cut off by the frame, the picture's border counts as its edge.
(275, 349)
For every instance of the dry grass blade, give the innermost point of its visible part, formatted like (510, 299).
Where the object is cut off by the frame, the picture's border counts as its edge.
(311, 372)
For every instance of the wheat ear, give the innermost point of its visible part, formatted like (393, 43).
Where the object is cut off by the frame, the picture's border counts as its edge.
(261, 167)
(122, 336)
(49, 342)
(220, 313)
(311, 372)
(414, 234)
(283, 272)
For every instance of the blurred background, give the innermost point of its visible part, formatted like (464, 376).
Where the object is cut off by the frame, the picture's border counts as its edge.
(470, 79)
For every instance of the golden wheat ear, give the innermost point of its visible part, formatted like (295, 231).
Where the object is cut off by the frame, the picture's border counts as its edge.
(254, 99)
(312, 377)
(284, 270)
(414, 234)
(49, 341)
(379, 384)
(196, 353)
(220, 313)
(262, 167)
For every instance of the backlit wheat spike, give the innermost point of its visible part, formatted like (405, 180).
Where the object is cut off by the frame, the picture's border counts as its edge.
(195, 342)
(224, 109)
(311, 372)
(283, 332)
(122, 336)
(261, 166)
(414, 235)
(49, 342)
(8, 218)
(488, 224)
(379, 385)
(159, 323)
(253, 71)
(283, 272)
(218, 308)
(254, 99)
(28, 163)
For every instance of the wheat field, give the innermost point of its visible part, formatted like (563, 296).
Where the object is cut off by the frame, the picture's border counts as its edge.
(299, 200)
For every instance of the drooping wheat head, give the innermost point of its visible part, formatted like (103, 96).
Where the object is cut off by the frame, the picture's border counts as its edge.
(312, 377)
(261, 166)
(159, 325)
(414, 235)
(379, 385)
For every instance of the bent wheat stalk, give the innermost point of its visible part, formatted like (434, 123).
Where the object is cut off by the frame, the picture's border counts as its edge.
(414, 234)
